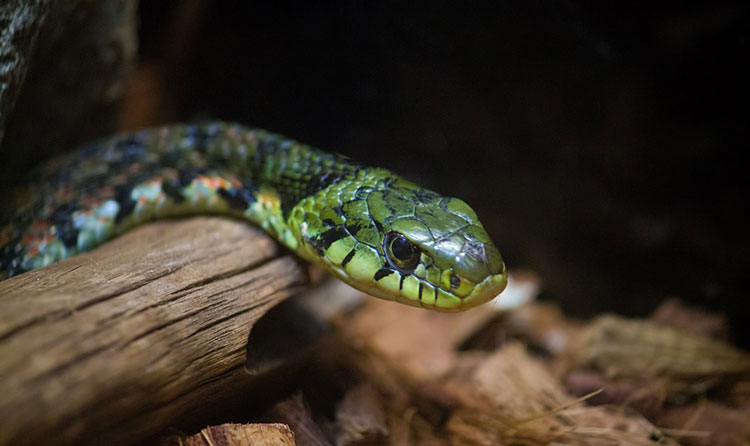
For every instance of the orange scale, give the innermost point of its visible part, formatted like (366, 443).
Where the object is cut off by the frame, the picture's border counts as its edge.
(234, 182)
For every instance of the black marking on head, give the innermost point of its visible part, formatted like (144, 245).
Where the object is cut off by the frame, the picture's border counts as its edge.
(122, 196)
(401, 282)
(338, 211)
(353, 228)
(173, 191)
(436, 293)
(421, 289)
(378, 225)
(325, 180)
(62, 219)
(362, 193)
(348, 258)
(327, 238)
(330, 223)
(425, 195)
(236, 198)
(383, 272)
(444, 205)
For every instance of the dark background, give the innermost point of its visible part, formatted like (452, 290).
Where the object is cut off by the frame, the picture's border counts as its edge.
(601, 143)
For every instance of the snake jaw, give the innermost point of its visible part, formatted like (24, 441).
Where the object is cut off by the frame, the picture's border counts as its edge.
(409, 289)
(486, 290)
(466, 293)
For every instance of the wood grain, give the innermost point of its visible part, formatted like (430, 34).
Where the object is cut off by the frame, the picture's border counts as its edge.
(272, 434)
(114, 345)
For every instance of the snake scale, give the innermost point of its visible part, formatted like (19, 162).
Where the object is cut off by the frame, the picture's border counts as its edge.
(367, 226)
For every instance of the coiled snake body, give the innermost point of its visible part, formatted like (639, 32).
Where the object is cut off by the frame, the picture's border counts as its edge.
(367, 226)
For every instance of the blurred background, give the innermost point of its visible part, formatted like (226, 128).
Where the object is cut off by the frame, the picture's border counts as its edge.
(600, 143)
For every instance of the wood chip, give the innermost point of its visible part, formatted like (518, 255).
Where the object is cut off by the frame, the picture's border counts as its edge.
(296, 414)
(674, 313)
(707, 423)
(631, 348)
(361, 419)
(237, 435)
(420, 343)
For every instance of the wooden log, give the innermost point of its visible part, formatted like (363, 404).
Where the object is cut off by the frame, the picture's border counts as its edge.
(114, 345)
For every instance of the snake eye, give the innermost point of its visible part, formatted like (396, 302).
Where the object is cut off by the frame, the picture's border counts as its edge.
(402, 254)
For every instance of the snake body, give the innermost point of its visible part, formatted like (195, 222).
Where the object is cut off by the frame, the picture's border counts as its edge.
(367, 226)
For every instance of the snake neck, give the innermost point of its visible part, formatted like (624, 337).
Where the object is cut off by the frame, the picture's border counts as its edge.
(112, 185)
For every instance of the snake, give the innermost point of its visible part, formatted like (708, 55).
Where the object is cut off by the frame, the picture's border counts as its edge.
(367, 226)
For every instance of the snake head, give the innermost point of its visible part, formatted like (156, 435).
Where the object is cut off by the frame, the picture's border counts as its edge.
(444, 255)
(404, 243)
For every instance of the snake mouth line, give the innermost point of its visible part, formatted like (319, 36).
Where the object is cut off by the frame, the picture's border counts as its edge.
(484, 291)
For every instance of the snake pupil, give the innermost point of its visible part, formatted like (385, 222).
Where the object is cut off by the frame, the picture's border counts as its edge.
(401, 252)
(401, 248)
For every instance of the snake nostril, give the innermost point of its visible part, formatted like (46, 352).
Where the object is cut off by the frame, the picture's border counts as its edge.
(455, 281)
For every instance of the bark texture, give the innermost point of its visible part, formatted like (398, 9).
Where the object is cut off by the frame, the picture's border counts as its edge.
(117, 344)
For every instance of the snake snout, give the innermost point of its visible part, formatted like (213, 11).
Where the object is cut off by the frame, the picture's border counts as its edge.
(493, 260)
(478, 260)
